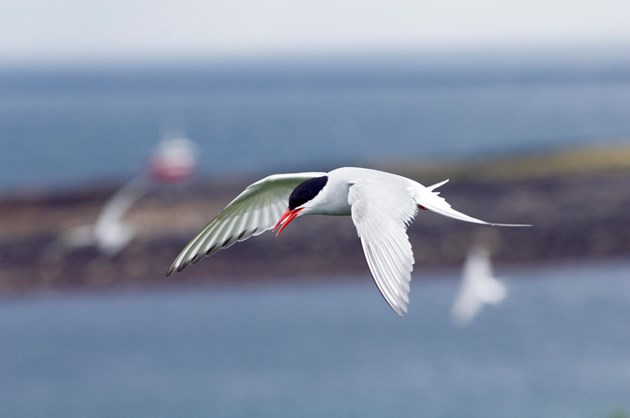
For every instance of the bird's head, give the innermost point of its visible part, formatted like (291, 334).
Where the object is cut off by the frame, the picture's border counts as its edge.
(301, 200)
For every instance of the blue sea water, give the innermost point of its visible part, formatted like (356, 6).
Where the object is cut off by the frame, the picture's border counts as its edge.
(60, 128)
(557, 347)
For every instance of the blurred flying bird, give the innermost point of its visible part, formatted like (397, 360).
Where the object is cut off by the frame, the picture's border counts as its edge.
(110, 233)
(381, 206)
(478, 287)
(173, 161)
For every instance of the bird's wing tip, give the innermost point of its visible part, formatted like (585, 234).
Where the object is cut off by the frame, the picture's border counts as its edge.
(175, 267)
(401, 310)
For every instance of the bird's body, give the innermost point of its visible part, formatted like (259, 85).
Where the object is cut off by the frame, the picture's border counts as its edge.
(333, 200)
(381, 205)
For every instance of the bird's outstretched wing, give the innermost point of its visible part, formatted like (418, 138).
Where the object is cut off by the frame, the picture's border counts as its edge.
(254, 211)
(381, 212)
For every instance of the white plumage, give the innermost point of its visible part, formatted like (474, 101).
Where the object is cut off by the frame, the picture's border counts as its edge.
(381, 205)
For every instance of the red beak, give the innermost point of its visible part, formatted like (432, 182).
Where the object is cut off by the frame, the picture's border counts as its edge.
(286, 219)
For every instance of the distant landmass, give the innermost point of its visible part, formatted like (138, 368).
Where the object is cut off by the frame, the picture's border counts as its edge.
(577, 200)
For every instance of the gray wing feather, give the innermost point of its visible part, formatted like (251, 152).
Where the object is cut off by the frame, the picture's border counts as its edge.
(251, 213)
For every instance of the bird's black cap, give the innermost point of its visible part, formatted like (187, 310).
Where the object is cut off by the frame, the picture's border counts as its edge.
(306, 191)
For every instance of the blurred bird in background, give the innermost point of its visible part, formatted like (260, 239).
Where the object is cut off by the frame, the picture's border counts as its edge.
(478, 287)
(173, 161)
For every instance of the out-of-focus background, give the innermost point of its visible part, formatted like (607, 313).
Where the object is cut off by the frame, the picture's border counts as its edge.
(126, 126)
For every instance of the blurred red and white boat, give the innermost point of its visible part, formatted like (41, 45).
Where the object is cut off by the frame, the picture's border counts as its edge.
(174, 161)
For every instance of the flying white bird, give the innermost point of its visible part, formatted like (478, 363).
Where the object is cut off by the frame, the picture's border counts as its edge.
(381, 205)
(173, 161)
(478, 287)
(110, 233)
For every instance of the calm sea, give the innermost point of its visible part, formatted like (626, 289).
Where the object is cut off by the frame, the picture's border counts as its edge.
(557, 347)
(71, 126)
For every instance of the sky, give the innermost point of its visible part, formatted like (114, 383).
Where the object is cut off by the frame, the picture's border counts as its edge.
(45, 30)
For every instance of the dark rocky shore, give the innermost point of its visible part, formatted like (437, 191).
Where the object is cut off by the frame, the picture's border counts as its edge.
(578, 203)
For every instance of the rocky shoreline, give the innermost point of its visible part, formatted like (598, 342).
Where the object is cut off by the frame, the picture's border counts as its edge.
(579, 211)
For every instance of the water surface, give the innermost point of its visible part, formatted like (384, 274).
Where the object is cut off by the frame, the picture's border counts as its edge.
(557, 347)
(62, 128)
